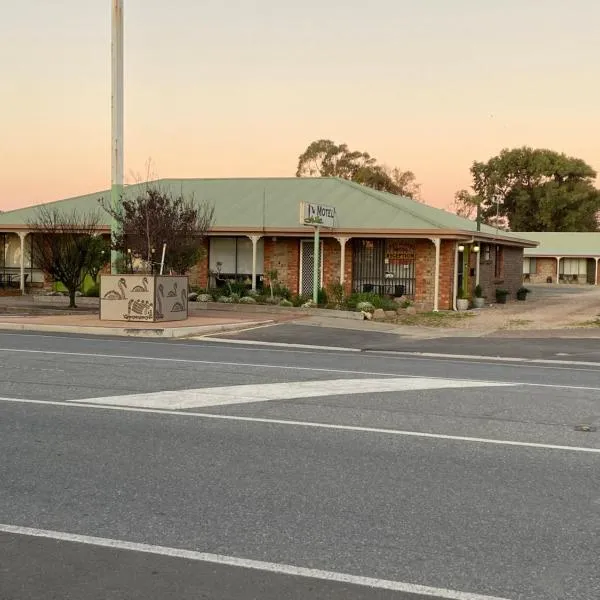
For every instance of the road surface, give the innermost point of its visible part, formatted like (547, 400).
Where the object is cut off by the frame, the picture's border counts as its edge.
(197, 469)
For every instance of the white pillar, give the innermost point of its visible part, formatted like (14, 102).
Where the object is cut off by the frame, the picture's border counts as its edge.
(477, 266)
(254, 239)
(342, 241)
(558, 269)
(22, 236)
(596, 271)
(436, 281)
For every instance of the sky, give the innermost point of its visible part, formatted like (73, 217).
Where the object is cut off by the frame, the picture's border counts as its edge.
(239, 88)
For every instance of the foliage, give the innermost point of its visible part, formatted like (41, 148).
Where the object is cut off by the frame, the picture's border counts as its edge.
(99, 256)
(375, 299)
(322, 298)
(204, 298)
(522, 293)
(155, 217)
(285, 302)
(65, 245)
(298, 300)
(365, 307)
(538, 190)
(247, 300)
(325, 158)
(225, 299)
(93, 291)
(336, 293)
(461, 294)
(282, 291)
(272, 277)
(501, 294)
(478, 291)
(465, 204)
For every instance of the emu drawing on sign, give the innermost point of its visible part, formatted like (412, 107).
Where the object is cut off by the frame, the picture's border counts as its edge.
(173, 292)
(180, 306)
(141, 288)
(114, 295)
(159, 297)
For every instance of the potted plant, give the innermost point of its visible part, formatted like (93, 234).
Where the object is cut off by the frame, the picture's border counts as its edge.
(462, 302)
(522, 293)
(501, 296)
(478, 299)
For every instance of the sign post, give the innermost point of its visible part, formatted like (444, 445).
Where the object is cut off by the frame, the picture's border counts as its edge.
(316, 265)
(317, 216)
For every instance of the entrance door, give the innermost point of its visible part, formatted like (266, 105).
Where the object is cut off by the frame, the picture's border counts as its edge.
(307, 256)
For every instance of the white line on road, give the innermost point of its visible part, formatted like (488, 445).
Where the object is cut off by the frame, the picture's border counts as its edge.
(280, 367)
(209, 338)
(266, 392)
(243, 563)
(483, 357)
(309, 424)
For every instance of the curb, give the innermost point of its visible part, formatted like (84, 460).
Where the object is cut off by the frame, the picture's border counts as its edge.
(166, 332)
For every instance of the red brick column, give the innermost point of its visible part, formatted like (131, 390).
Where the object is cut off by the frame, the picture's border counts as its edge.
(283, 255)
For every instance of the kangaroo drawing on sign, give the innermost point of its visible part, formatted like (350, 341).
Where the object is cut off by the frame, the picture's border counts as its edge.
(140, 310)
(173, 292)
(180, 306)
(159, 297)
(141, 288)
(114, 294)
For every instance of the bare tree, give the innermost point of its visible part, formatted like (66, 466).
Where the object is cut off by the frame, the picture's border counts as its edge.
(63, 246)
(155, 217)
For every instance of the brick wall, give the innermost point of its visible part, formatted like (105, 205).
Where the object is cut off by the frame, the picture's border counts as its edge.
(425, 274)
(199, 272)
(545, 267)
(283, 255)
(332, 264)
(510, 274)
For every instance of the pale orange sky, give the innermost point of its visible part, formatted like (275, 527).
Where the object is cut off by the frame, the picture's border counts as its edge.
(240, 88)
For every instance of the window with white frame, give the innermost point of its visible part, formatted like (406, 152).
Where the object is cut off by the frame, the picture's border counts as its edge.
(573, 266)
(232, 256)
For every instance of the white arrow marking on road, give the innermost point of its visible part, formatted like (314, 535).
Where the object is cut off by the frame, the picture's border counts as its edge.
(264, 392)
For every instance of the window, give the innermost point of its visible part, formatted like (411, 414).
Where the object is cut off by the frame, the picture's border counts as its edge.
(233, 256)
(529, 265)
(498, 262)
(573, 266)
(486, 255)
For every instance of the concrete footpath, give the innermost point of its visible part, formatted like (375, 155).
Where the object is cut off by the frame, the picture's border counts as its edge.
(25, 314)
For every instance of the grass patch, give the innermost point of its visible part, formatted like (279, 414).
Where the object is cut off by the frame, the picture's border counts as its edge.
(591, 323)
(434, 319)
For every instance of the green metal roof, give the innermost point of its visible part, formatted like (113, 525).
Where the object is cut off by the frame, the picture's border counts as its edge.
(582, 244)
(274, 203)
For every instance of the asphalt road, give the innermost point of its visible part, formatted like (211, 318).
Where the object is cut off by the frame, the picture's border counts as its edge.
(527, 345)
(482, 488)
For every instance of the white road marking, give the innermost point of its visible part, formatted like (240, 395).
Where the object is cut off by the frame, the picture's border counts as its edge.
(243, 563)
(265, 392)
(483, 357)
(280, 367)
(211, 339)
(307, 424)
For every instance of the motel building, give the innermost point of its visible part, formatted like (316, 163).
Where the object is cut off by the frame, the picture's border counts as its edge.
(562, 257)
(369, 240)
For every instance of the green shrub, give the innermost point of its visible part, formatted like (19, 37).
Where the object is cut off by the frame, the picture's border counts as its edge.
(93, 291)
(365, 307)
(298, 300)
(282, 291)
(238, 288)
(285, 302)
(478, 291)
(336, 293)
(247, 300)
(322, 299)
(375, 299)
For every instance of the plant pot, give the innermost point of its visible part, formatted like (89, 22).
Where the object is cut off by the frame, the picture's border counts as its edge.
(501, 299)
(521, 297)
(478, 302)
(462, 304)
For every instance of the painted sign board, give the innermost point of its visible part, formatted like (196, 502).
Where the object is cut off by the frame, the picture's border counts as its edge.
(317, 215)
(143, 298)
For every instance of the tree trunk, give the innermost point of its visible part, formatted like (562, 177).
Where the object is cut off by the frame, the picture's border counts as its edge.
(72, 299)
